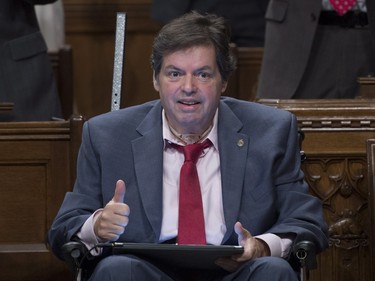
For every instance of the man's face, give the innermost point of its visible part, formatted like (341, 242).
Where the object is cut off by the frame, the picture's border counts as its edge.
(190, 86)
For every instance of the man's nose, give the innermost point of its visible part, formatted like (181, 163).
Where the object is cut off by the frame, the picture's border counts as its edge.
(188, 84)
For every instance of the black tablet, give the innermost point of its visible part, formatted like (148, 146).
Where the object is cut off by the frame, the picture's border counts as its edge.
(183, 256)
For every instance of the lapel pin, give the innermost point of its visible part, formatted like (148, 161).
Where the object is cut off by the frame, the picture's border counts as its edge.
(240, 143)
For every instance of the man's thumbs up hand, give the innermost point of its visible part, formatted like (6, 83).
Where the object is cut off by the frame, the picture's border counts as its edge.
(111, 222)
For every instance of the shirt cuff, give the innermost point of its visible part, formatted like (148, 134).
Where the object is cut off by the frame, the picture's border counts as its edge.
(279, 247)
(87, 234)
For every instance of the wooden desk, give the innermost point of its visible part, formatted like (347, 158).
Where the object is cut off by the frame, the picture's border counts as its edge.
(336, 132)
(37, 168)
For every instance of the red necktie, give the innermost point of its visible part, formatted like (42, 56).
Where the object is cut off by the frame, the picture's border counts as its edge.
(343, 6)
(190, 215)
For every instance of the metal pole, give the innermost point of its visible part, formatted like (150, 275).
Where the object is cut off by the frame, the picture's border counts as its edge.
(118, 61)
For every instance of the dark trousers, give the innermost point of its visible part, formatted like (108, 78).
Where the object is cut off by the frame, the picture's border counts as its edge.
(338, 57)
(130, 268)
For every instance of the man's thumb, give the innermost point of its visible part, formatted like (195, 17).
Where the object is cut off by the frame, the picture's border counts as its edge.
(241, 232)
(119, 192)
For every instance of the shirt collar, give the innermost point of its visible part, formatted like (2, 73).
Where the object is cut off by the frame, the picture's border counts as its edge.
(168, 136)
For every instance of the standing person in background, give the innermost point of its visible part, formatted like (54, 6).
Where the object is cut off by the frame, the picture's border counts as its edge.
(314, 51)
(245, 17)
(26, 74)
(52, 24)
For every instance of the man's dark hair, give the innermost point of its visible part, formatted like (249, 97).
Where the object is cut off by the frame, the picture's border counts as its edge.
(194, 29)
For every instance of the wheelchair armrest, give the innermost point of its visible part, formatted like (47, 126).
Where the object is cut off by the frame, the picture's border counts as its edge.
(305, 253)
(73, 252)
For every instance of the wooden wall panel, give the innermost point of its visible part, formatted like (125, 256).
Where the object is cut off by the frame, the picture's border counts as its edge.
(249, 61)
(37, 168)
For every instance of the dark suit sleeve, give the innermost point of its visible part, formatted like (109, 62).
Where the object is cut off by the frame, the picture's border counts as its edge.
(299, 212)
(80, 204)
(371, 18)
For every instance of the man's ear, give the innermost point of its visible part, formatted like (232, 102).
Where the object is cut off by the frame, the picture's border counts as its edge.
(155, 82)
(224, 86)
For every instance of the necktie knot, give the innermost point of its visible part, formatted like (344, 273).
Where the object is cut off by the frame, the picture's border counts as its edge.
(192, 152)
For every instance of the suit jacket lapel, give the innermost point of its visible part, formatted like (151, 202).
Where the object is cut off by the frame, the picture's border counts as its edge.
(148, 162)
(233, 147)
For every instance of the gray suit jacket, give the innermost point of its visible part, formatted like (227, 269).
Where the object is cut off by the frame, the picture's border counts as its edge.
(26, 74)
(262, 183)
(290, 31)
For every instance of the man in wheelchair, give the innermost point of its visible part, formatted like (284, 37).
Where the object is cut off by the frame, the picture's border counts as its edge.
(251, 190)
